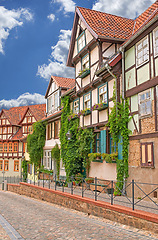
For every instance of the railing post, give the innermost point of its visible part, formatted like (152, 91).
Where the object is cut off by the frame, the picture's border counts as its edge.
(82, 187)
(63, 186)
(49, 181)
(34, 174)
(95, 188)
(111, 192)
(43, 180)
(55, 182)
(72, 185)
(133, 195)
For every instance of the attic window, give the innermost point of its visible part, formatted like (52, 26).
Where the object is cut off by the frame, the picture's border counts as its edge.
(81, 41)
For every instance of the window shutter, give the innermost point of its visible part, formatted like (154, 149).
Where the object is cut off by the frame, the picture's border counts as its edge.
(52, 129)
(30, 168)
(120, 147)
(103, 141)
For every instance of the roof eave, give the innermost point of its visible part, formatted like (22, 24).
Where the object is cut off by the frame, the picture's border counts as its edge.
(139, 31)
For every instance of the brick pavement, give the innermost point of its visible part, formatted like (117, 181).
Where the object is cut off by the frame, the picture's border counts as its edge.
(35, 219)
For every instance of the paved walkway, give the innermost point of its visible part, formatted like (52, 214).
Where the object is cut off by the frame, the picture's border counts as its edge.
(34, 219)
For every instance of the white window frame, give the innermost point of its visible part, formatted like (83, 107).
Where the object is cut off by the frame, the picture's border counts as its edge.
(81, 41)
(76, 106)
(145, 101)
(49, 104)
(55, 100)
(142, 50)
(155, 40)
(87, 101)
(102, 92)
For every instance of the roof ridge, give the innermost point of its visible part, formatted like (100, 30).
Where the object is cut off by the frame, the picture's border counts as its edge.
(107, 13)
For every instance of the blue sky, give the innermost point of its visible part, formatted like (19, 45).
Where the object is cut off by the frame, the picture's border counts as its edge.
(34, 41)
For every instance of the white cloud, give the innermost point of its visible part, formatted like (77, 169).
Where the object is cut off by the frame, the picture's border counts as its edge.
(57, 63)
(124, 8)
(51, 17)
(10, 19)
(67, 5)
(23, 100)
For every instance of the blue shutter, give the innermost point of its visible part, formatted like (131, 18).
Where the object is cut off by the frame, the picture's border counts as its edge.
(91, 150)
(120, 148)
(103, 141)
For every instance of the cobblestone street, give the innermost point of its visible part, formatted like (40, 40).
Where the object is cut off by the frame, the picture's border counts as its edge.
(34, 219)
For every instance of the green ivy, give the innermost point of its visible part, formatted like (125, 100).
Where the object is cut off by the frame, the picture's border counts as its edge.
(35, 143)
(56, 155)
(74, 152)
(24, 167)
(118, 125)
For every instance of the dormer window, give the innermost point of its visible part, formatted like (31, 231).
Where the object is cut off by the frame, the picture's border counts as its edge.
(55, 100)
(81, 41)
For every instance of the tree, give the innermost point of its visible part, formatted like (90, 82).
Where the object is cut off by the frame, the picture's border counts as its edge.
(35, 143)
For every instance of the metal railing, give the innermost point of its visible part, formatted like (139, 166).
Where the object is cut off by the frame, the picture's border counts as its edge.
(136, 195)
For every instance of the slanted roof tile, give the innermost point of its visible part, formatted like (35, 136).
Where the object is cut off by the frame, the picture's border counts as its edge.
(107, 25)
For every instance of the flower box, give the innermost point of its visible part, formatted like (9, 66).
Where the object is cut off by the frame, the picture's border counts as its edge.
(98, 160)
(87, 112)
(104, 106)
(84, 73)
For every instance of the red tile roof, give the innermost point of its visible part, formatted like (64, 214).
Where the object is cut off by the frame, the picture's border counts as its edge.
(107, 25)
(64, 82)
(145, 16)
(18, 135)
(16, 114)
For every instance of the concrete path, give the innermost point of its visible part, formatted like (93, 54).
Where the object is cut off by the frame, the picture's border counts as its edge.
(34, 219)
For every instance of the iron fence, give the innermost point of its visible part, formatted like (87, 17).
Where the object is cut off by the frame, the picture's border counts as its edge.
(134, 194)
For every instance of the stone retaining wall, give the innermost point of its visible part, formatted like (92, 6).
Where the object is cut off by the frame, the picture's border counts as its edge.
(124, 215)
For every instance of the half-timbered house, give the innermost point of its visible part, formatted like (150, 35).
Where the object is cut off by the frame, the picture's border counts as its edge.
(57, 86)
(94, 53)
(15, 125)
(140, 78)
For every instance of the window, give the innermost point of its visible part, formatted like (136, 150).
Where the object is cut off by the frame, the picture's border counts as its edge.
(6, 165)
(97, 140)
(147, 154)
(4, 130)
(156, 42)
(15, 147)
(29, 119)
(81, 41)
(87, 101)
(49, 104)
(56, 100)
(49, 136)
(103, 94)
(16, 166)
(0, 130)
(3, 121)
(25, 129)
(1, 147)
(5, 147)
(1, 165)
(112, 145)
(85, 62)
(10, 147)
(142, 51)
(56, 129)
(9, 129)
(29, 129)
(76, 106)
(45, 158)
(145, 106)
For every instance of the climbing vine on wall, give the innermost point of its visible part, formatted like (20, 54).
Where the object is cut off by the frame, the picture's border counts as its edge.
(118, 125)
(74, 152)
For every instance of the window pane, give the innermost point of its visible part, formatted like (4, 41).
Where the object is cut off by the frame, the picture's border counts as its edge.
(149, 154)
(143, 153)
(148, 107)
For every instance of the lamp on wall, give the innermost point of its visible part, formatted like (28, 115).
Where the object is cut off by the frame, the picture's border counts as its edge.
(68, 135)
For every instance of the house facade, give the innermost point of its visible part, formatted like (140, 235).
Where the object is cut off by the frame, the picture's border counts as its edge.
(94, 53)
(57, 86)
(140, 76)
(15, 125)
